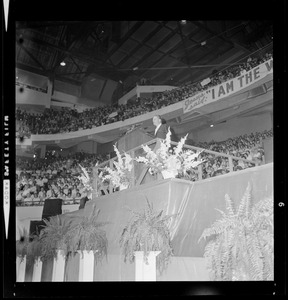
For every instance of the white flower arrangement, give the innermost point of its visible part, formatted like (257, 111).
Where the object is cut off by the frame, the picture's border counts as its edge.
(86, 180)
(177, 161)
(121, 175)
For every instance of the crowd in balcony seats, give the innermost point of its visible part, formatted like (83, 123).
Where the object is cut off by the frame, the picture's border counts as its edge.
(247, 146)
(40, 179)
(54, 121)
(22, 129)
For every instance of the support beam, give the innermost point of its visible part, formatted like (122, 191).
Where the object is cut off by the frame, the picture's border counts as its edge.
(148, 37)
(103, 88)
(79, 69)
(124, 39)
(163, 54)
(222, 37)
(184, 46)
(32, 57)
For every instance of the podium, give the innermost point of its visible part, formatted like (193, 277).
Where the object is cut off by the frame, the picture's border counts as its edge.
(52, 207)
(133, 139)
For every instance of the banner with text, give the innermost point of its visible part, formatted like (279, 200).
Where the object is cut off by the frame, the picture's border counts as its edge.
(229, 87)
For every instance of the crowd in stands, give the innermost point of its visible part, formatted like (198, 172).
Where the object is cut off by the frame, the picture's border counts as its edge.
(248, 147)
(54, 121)
(37, 180)
(40, 179)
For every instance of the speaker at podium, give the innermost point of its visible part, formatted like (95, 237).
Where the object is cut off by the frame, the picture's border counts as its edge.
(133, 139)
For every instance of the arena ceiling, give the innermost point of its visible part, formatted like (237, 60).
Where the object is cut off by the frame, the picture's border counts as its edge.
(164, 52)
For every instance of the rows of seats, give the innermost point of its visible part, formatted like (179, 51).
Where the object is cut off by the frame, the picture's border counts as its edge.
(247, 146)
(40, 179)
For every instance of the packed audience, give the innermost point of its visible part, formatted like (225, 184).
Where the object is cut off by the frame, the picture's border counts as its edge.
(65, 120)
(248, 147)
(57, 176)
(40, 179)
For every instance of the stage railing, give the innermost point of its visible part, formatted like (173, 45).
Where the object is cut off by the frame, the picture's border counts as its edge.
(140, 171)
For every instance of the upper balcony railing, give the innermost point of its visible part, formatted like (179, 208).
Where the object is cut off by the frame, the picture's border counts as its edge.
(259, 75)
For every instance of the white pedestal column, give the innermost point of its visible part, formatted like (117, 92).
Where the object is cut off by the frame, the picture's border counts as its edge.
(143, 271)
(37, 270)
(86, 266)
(58, 267)
(20, 269)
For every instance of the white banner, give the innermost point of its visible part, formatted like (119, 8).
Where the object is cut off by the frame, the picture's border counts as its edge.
(229, 87)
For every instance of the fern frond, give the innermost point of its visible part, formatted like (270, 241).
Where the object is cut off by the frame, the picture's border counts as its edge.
(218, 227)
(147, 231)
(244, 206)
(240, 246)
(229, 206)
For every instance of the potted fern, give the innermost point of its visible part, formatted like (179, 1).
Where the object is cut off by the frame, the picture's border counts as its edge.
(53, 238)
(28, 250)
(54, 244)
(90, 240)
(240, 245)
(87, 235)
(148, 232)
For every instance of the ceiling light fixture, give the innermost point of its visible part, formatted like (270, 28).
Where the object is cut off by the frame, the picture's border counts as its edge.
(183, 22)
(211, 125)
(63, 64)
(203, 43)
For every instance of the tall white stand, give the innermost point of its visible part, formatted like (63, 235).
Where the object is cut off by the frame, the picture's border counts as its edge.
(86, 266)
(58, 267)
(143, 271)
(20, 269)
(37, 270)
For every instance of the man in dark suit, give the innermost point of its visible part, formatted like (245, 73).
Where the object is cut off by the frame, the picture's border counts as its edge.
(161, 129)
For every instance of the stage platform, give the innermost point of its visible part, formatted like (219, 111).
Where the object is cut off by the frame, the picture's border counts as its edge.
(194, 202)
